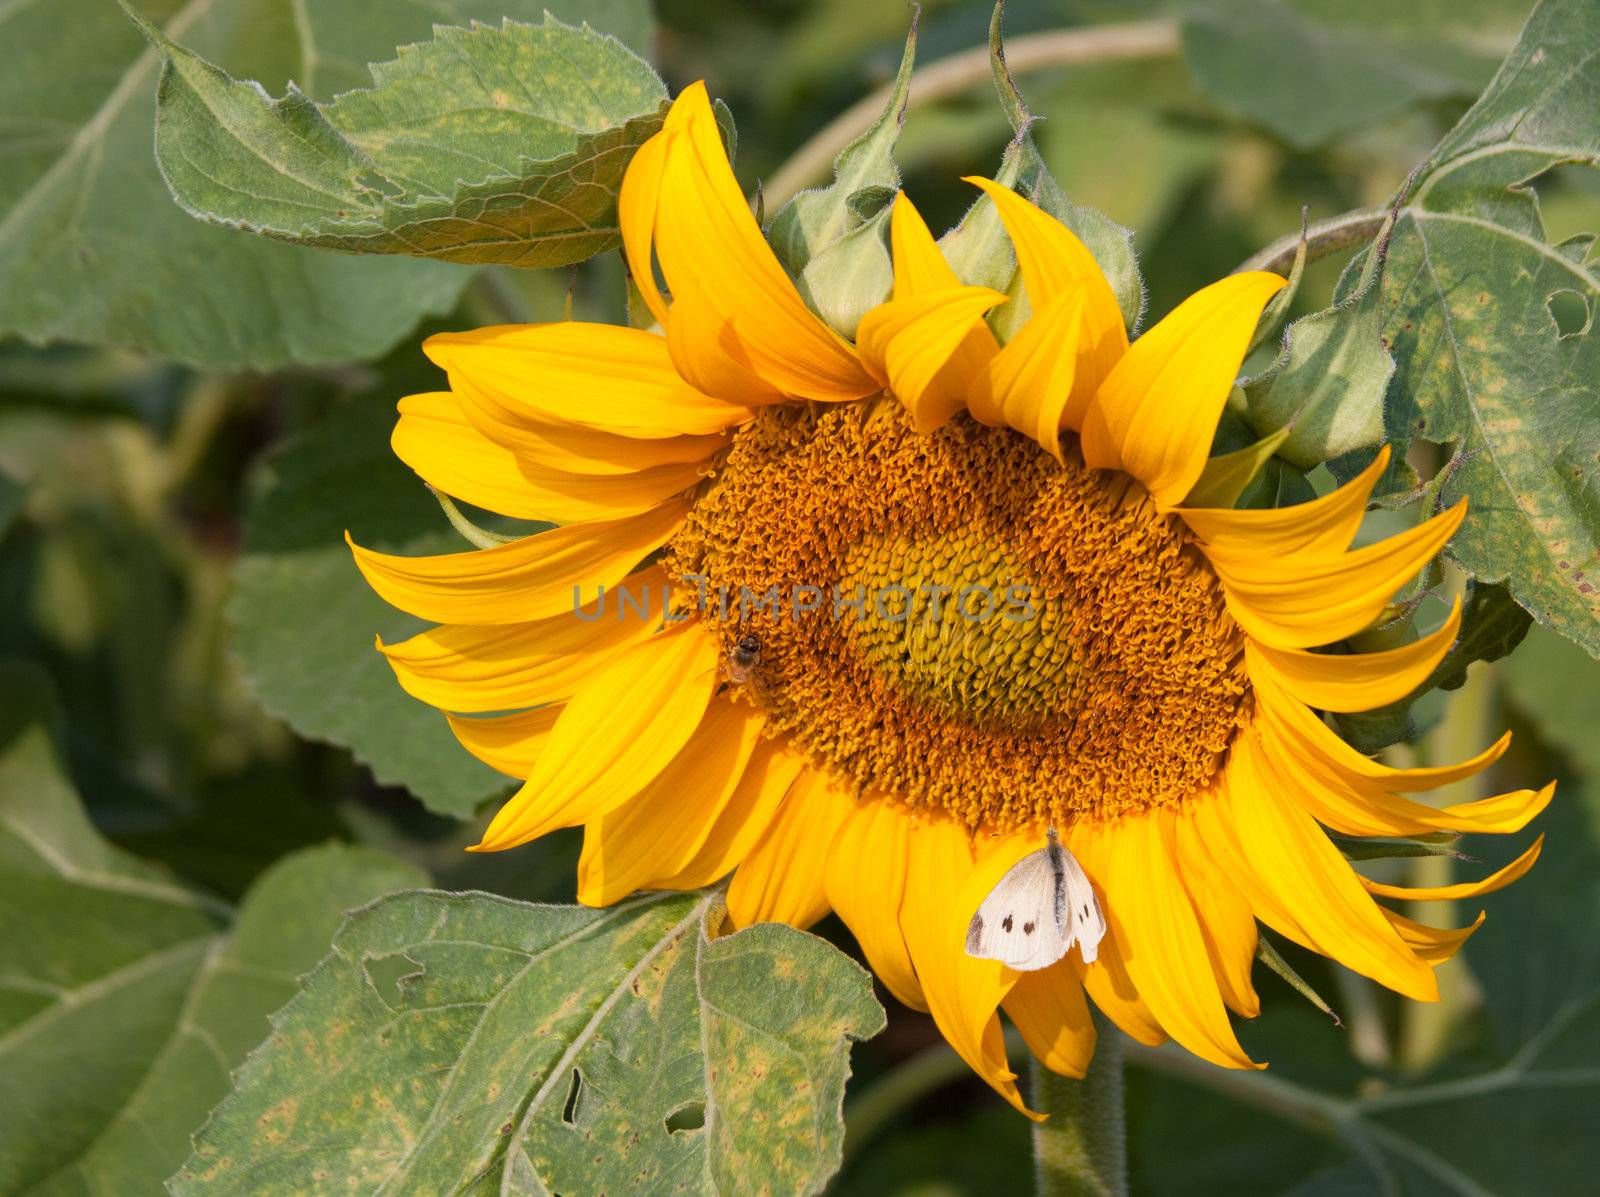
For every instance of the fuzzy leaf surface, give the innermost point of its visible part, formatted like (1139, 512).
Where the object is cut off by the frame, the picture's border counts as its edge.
(486, 145)
(1481, 361)
(492, 1046)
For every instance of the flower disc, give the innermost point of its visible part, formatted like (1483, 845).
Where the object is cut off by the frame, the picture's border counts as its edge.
(960, 619)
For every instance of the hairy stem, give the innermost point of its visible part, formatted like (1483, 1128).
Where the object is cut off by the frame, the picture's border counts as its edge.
(1081, 1149)
(959, 72)
(1324, 237)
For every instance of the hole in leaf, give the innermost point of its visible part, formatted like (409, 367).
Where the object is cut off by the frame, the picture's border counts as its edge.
(690, 1117)
(1570, 311)
(386, 974)
(569, 1111)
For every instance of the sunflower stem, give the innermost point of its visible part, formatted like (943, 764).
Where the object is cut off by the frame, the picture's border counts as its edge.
(1323, 237)
(1081, 1149)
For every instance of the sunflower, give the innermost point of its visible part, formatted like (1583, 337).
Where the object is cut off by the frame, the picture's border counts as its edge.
(912, 602)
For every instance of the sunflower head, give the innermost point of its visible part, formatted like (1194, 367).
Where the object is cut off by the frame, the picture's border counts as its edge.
(859, 623)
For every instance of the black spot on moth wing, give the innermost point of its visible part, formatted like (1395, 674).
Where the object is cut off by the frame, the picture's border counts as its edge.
(1027, 928)
(1005, 924)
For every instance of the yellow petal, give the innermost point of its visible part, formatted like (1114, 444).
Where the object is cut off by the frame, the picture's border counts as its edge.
(1166, 954)
(744, 818)
(536, 577)
(637, 204)
(865, 882)
(448, 452)
(708, 242)
(509, 744)
(1323, 527)
(1304, 730)
(1304, 599)
(620, 730)
(919, 266)
(568, 448)
(962, 992)
(1029, 382)
(911, 343)
(1107, 980)
(1052, 261)
(1357, 805)
(1228, 923)
(597, 376)
(1298, 882)
(1162, 400)
(708, 352)
(502, 667)
(1359, 681)
(1499, 879)
(658, 831)
(1435, 945)
(1049, 1009)
(780, 881)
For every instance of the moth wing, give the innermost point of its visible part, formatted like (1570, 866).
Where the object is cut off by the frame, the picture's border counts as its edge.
(1084, 921)
(1017, 924)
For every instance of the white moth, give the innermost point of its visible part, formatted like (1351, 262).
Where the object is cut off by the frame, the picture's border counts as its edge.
(1038, 910)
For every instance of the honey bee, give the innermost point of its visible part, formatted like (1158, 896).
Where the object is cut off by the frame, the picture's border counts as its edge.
(744, 658)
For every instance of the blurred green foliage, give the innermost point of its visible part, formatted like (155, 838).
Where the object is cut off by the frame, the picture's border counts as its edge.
(170, 568)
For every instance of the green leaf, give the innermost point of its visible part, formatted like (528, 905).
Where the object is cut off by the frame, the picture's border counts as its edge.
(1326, 388)
(1312, 69)
(126, 999)
(92, 248)
(304, 620)
(1482, 362)
(1273, 959)
(490, 145)
(834, 239)
(486, 1045)
(978, 248)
